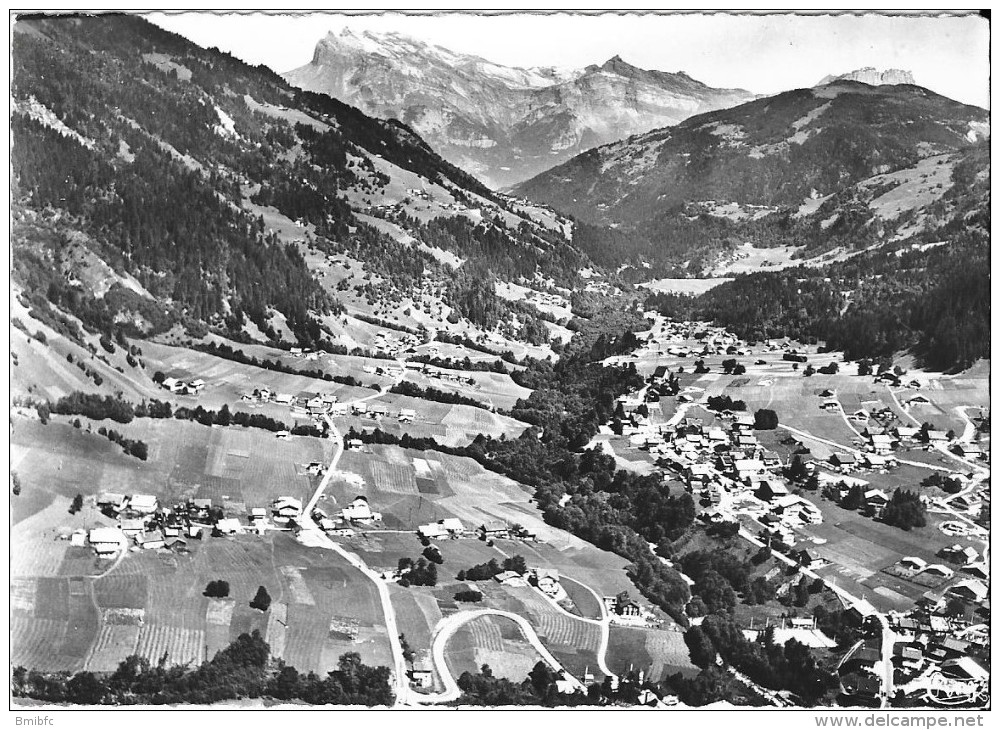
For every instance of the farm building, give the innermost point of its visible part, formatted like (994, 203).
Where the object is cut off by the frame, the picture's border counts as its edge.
(969, 590)
(432, 530)
(151, 540)
(229, 526)
(881, 443)
(969, 451)
(143, 503)
(510, 578)
(547, 580)
(406, 415)
(626, 607)
(964, 555)
(771, 489)
(196, 386)
(937, 436)
(913, 563)
(844, 460)
(284, 399)
(286, 507)
(359, 408)
(354, 445)
(360, 511)
(423, 678)
(132, 527)
(111, 500)
(494, 528)
(106, 540)
(258, 513)
(965, 668)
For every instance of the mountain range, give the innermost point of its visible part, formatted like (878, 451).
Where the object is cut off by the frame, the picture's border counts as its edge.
(846, 164)
(500, 123)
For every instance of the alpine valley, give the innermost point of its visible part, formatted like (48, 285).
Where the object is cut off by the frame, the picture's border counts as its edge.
(409, 379)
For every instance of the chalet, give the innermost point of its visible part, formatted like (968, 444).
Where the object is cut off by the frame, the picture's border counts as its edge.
(406, 415)
(937, 437)
(771, 460)
(965, 668)
(906, 433)
(338, 409)
(317, 405)
(743, 422)
(860, 415)
(151, 540)
(378, 411)
(314, 468)
(977, 570)
(804, 558)
(284, 399)
(661, 373)
(453, 525)
(969, 451)
(626, 607)
(887, 377)
(699, 474)
(106, 540)
(913, 563)
(432, 530)
(964, 555)
(919, 400)
(936, 569)
(229, 526)
(111, 501)
(171, 531)
(360, 511)
(354, 444)
(284, 435)
(286, 507)
(143, 503)
(422, 678)
(200, 505)
(830, 405)
(359, 408)
(746, 440)
(845, 460)
(172, 384)
(881, 443)
(771, 489)
(547, 580)
(494, 528)
(862, 685)
(876, 500)
(875, 461)
(716, 435)
(969, 589)
(132, 527)
(809, 512)
(746, 470)
(510, 578)
(826, 393)
(196, 386)
(175, 543)
(257, 514)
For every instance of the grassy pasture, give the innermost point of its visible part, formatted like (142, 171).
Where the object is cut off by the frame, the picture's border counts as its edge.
(493, 640)
(655, 652)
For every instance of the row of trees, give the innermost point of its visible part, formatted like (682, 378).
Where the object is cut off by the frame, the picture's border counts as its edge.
(244, 669)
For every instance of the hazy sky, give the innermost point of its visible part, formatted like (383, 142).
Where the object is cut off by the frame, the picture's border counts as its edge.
(764, 54)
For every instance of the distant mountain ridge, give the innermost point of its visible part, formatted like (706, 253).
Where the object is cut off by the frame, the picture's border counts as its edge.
(502, 124)
(872, 76)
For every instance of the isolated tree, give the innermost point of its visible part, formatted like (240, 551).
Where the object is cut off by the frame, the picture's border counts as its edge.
(812, 483)
(159, 377)
(765, 419)
(15, 483)
(408, 654)
(740, 369)
(217, 589)
(76, 505)
(864, 367)
(262, 601)
(809, 371)
(796, 470)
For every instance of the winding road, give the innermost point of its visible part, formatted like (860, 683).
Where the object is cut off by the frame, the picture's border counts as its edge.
(446, 629)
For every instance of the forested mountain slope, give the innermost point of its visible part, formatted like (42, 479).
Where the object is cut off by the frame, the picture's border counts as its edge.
(836, 165)
(159, 160)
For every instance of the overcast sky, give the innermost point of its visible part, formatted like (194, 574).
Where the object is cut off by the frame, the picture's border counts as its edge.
(764, 54)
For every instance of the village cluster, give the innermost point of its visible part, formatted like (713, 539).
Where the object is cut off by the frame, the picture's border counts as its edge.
(923, 652)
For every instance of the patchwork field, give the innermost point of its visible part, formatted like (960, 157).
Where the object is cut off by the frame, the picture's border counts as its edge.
(495, 641)
(658, 654)
(236, 467)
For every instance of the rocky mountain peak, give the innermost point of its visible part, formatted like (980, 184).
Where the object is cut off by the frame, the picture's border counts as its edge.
(872, 76)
